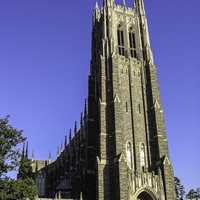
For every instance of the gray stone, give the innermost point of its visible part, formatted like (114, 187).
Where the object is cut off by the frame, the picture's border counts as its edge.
(121, 150)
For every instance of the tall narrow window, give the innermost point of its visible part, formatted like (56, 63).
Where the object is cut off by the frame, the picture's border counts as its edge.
(129, 155)
(139, 108)
(142, 156)
(132, 43)
(120, 36)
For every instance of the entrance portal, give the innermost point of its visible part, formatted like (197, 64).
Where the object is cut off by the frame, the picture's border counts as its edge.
(145, 196)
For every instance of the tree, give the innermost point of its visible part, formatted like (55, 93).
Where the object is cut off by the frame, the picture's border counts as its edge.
(18, 189)
(25, 170)
(179, 188)
(10, 138)
(193, 194)
(10, 158)
(198, 192)
(25, 186)
(24, 189)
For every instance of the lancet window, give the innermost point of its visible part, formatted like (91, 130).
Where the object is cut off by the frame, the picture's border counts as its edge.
(142, 156)
(120, 37)
(129, 155)
(132, 43)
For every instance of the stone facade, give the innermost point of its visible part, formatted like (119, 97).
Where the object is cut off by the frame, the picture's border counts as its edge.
(120, 151)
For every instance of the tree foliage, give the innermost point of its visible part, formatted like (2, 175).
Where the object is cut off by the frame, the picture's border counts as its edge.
(198, 192)
(24, 187)
(25, 170)
(17, 189)
(180, 190)
(193, 194)
(10, 138)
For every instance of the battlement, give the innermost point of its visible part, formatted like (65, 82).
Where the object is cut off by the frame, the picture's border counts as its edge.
(127, 10)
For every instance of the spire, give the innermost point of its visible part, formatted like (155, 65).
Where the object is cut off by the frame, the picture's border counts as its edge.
(140, 6)
(134, 4)
(81, 121)
(147, 52)
(85, 109)
(108, 3)
(96, 13)
(50, 156)
(96, 5)
(70, 135)
(124, 3)
(75, 128)
(26, 150)
(23, 151)
(58, 151)
(33, 155)
(65, 141)
(61, 147)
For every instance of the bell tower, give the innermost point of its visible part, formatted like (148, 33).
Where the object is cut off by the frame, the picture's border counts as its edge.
(127, 151)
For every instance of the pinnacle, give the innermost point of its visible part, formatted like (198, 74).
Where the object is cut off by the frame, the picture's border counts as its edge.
(97, 5)
(124, 2)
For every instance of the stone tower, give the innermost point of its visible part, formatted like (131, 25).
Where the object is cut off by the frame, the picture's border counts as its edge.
(120, 151)
(126, 149)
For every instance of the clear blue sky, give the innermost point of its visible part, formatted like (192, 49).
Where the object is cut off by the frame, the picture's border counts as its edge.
(44, 63)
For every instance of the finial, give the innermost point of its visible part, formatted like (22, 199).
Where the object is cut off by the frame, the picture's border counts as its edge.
(58, 151)
(65, 141)
(26, 150)
(33, 155)
(124, 3)
(70, 135)
(81, 121)
(75, 127)
(134, 4)
(85, 109)
(61, 147)
(97, 5)
(50, 156)
(23, 151)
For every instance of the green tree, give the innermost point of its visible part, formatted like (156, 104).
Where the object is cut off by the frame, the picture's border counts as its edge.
(25, 170)
(198, 192)
(10, 158)
(179, 188)
(24, 188)
(192, 194)
(18, 189)
(10, 138)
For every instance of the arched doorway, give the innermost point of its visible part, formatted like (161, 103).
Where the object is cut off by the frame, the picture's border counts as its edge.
(145, 196)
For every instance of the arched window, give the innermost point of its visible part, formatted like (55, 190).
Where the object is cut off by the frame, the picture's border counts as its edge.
(132, 43)
(129, 155)
(120, 37)
(142, 156)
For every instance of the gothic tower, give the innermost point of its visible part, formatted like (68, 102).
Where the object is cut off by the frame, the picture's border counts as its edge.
(127, 151)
